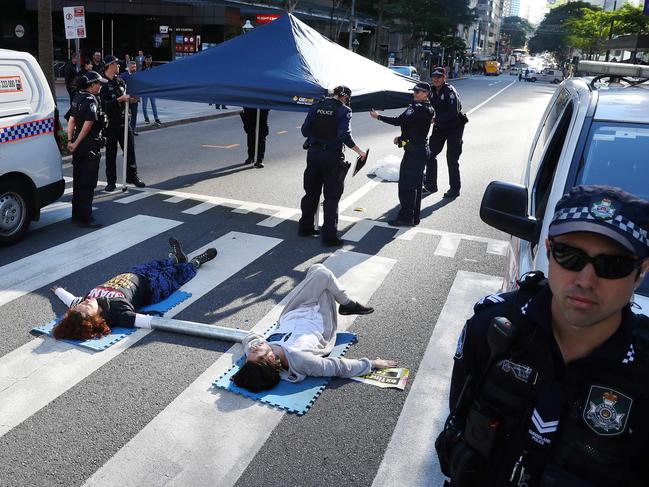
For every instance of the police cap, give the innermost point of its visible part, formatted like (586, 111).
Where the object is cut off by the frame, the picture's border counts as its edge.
(422, 86)
(343, 90)
(92, 77)
(607, 211)
(439, 71)
(110, 59)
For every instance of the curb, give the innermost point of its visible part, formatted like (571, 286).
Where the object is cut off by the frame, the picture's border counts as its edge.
(173, 123)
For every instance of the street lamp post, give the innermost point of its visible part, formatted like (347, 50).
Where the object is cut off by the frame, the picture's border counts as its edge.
(247, 27)
(351, 25)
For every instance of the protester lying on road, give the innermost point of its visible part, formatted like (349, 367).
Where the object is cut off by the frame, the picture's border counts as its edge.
(309, 324)
(114, 303)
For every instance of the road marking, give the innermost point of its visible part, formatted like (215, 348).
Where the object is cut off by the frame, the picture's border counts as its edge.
(426, 407)
(279, 217)
(200, 208)
(209, 438)
(282, 132)
(40, 371)
(175, 199)
(358, 194)
(37, 270)
(489, 99)
(54, 213)
(231, 146)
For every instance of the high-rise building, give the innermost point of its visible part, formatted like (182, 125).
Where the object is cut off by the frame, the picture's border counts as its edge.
(514, 9)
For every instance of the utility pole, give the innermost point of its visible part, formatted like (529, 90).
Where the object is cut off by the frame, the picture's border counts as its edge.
(351, 24)
(45, 41)
(610, 32)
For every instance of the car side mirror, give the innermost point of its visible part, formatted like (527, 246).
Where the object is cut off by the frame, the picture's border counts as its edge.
(504, 206)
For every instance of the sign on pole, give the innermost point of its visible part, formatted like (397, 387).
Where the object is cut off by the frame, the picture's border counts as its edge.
(75, 22)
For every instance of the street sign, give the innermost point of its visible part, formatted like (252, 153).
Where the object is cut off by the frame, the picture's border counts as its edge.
(19, 31)
(75, 22)
(265, 18)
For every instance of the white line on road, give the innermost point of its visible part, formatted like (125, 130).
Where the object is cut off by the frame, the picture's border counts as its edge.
(279, 217)
(489, 99)
(175, 199)
(37, 270)
(54, 213)
(205, 438)
(358, 194)
(426, 407)
(200, 208)
(40, 371)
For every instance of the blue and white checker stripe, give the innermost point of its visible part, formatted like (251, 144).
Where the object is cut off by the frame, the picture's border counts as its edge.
(624, 224)
(25, 130)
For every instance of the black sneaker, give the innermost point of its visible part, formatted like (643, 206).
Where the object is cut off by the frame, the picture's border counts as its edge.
(400, 223)
(450, 194)
(312, 232)
(110, 188)
(90, 224)
(259, 164)
(136, 182)
(250, 160)
(333, 243)
(177, 251)
(206, 256)
(147, 121)
(354, 308)
(428, 189)
(158, 122)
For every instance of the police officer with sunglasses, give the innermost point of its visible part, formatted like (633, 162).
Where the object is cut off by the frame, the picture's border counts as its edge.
(550, 385)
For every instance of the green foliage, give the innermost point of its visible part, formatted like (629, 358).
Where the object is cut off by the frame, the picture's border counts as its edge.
(63, 143)
(432, 20)
(518, 29)
(553, 33)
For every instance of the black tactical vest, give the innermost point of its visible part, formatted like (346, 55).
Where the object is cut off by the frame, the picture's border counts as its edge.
(325, 126)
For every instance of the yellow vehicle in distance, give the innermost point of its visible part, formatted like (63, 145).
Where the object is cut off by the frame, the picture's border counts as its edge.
(492, 68)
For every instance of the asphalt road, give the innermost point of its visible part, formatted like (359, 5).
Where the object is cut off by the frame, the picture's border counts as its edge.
(128, 420)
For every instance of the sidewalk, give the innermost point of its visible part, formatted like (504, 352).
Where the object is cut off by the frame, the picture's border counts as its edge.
(170, 112)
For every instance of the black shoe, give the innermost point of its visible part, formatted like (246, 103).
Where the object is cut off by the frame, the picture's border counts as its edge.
(158, 122)
(333, 243)
(177, 251)
(450, 194)
(110, 187)
(146, 120)
(137, 182)
(250, 160)
(136, 133)
(428, 189)
(354, 308)
(259, 164)
(312, 232)
(206, 256)
(90, 224)
(400, 223)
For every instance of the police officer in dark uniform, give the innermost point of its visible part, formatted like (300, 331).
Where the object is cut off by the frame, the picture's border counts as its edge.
(327, 128)
(85, 127)
(114, 100)
(449, 128)
(415, 125)
(551, 382)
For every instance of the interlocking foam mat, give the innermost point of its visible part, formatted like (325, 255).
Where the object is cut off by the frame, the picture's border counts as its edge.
(293, 397)
(99, 344)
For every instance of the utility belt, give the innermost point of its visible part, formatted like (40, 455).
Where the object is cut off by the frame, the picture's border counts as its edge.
(411, 144)
(331, 146)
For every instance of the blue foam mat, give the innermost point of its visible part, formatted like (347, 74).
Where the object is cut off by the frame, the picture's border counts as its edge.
(294, 397)
(117, 333)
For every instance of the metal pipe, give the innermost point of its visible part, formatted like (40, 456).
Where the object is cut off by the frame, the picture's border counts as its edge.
(198, 329)
(102, 38)
(125, 146)
(257, 137)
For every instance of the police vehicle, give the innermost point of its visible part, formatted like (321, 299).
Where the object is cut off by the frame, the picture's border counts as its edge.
(595, 130)
(30, 161)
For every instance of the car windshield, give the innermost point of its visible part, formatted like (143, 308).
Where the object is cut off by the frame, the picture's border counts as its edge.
(401, 70)
(616, 154)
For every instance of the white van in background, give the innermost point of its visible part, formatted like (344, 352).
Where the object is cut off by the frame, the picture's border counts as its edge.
(30, 161)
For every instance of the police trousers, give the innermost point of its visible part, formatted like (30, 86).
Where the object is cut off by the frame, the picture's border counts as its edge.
(452, 136)
(85, 171)
(325, 173)
(411, 173)
(114, 136)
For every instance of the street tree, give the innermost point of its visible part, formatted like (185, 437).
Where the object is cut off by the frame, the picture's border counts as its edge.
(518, 29)
(589, 32)
(45, 42)
(552, 34)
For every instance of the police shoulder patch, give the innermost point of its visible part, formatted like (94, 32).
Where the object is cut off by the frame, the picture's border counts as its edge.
(349, 115)
(487, 301)
(410, 111)
(606, 410)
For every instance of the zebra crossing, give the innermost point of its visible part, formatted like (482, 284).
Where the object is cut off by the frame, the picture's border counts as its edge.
(196, 435)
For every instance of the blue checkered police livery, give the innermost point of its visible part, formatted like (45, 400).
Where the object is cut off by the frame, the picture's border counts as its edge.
(26, 130)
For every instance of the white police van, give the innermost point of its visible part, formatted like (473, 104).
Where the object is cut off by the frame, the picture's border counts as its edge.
(30, 161)
(594, 131)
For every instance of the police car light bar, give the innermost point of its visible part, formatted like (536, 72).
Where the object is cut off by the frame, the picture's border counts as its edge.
(613, 69)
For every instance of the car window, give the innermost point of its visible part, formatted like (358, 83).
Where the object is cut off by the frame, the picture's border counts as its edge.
(616, 154)
(401, 70)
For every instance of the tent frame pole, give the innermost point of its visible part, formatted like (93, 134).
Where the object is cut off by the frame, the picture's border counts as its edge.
(125, 145)
(213, 332)
(257, 137)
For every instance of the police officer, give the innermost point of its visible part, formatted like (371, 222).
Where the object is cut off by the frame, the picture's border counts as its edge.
(327, 128)
(249, 119)
(565, 401)
(449, 127)
(85, 127)
(415, 125)
(114, 100)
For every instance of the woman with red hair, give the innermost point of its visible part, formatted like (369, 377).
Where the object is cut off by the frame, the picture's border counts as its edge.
(114, 302)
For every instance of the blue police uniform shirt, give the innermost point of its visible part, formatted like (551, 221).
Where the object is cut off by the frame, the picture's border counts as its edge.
(447, 106)
(343, 116)
(414, 121)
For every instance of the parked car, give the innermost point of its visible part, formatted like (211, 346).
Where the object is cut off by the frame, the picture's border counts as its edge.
(513, 71)
(30, 161)
(588, 135)
(409, 71)
(530, 74)
(554, 76)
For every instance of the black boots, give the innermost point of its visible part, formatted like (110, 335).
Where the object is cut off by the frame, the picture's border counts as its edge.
(354, 308)
(206, 256)
(177, 251)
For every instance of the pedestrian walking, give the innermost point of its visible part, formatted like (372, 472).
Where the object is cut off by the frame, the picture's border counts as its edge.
(415, 124)
(550, 385)
(97, 62)
(131, 68)
(148, 64)
(520, 74)
(115, 99)
(448, 129)
(85, 127)
(327, 127)
(249, 119)
(70, 74)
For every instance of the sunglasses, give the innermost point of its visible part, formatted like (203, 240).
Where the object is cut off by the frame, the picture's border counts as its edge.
(606, 266)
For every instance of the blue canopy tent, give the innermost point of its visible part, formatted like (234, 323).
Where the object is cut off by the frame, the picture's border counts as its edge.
(283, 65)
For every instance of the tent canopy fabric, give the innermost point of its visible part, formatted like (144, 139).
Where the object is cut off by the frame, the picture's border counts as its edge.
(283, 65)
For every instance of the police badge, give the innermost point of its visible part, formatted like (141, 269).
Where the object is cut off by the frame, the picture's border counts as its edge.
(603, 210)
(607, 411)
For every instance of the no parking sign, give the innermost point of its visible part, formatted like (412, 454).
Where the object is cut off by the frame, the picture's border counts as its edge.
(75, 22)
